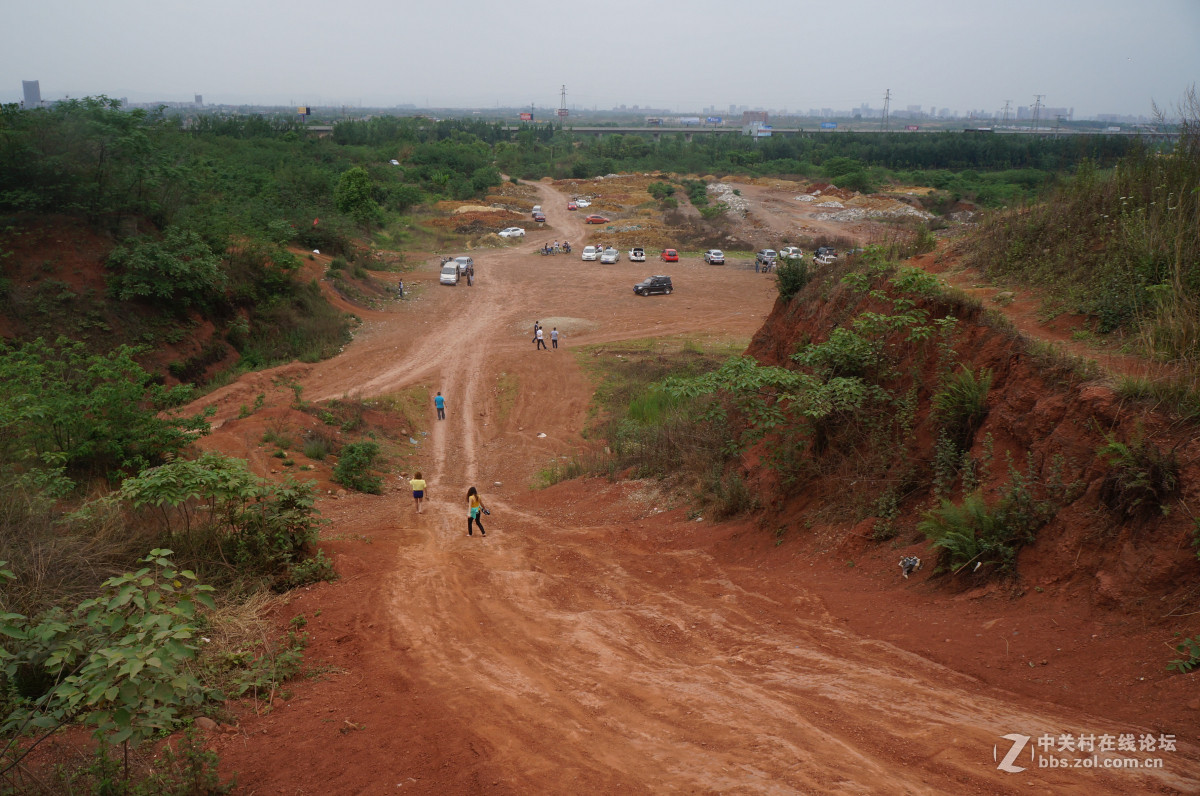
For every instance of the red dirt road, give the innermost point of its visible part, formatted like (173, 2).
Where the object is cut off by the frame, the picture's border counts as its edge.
(596, 641)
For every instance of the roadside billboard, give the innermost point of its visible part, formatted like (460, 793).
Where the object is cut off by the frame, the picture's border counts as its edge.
(527, 117)
(563, 112)
(687, 120)
(713, 120)
(828, 125)
(912, 128)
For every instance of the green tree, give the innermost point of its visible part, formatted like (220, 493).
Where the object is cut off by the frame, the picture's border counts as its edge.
(355, 196)
(180, 269)
(61, 405)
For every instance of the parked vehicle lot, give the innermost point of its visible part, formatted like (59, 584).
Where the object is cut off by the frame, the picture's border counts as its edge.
(669, 256)
(590, 253)
(714, 257)
(610, 256)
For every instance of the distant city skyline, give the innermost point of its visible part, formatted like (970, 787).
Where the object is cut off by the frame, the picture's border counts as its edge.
(1105, 57)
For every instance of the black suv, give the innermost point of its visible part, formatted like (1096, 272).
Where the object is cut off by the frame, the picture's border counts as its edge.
(655, 284)
(826, 250)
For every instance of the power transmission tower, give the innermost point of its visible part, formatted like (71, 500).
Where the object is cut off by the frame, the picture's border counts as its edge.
(1006, 104)
(562, 105)
(1037, 110)
(887, 101)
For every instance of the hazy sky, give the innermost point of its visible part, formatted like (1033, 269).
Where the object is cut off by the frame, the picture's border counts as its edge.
(1096, 56)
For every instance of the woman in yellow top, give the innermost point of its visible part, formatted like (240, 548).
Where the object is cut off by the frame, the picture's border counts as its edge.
(475, 507)
(418, 489)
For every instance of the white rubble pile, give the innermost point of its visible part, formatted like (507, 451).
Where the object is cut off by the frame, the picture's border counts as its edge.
(830, 203)
(862, 214)
(724, 193)
(806, 197)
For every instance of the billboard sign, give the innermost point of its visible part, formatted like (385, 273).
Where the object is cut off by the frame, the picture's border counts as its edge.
(828, 125)
(686, 120)
(912, 128)
(563, 112)
(713, 120)
(527, 117)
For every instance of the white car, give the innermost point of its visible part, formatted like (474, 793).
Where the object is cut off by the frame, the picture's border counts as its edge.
(449, 274)
(714, 257)
(512, 232)
(394, 162)
(590, 252)
(789, 252)
(583, 203)
(610, 256)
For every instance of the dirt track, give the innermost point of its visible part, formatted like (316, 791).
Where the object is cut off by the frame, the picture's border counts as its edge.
(595, 641)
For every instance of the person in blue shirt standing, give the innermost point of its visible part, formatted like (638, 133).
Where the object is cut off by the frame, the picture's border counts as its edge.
(440, 403)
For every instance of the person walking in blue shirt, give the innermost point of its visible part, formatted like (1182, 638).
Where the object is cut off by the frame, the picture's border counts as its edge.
(440, 403)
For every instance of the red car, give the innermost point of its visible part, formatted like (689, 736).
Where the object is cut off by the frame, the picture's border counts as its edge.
(595, 220)
(572, 206)
(669, 256)
(539, 216)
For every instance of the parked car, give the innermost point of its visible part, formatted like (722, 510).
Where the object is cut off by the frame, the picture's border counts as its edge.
(512, 232)
(590, 252)
(394, 162)
(595, 220)
(449, 274)
(572, 205)
(536, 209)
(823, 259)
(583, 203)
(539, 216)
(714, 257)
(765, 258)
(655, 284)
(465, 264)
(826, 250)
(610, 256)
(637, 255)
(669, 256)
(790, 252)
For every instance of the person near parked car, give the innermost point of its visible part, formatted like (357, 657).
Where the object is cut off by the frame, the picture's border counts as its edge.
(418, 489)
(540, 340)
(440, 403)
(537, 325)
(475, 507)
(554, 337)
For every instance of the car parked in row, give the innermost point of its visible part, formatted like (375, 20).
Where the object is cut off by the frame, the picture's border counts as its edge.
(450, 273)
(590, 253)
(595, 219)
(669, 256)
(610, 256)
(511, 232)
(583, 203)
(637, 255)
(765, 258)
(572, 205)
(714, 257)
(539, 216)
(654, 284)
(790, 252)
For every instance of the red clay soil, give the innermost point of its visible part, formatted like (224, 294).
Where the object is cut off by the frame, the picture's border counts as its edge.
(599, 641)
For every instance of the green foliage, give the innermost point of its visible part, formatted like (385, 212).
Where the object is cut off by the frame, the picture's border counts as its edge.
(260, 526)
(845, 353)
(355, 461)
(1141, 478)
(1189, 648)
(119, 661)
(62, 406)
(660, 190)
(960, 406)
(355, 196)
(184, 768)
(791, 275)
(180, 269)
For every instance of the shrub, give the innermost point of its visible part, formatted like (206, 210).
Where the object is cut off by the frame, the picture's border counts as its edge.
(354, 463)
(791, 276)
(1141, 478)
(961, 405)
(180, 269)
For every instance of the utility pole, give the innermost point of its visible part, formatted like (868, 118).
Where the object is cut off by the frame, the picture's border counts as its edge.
(887, 101)
(1037, 110)
(1006, 104)
(562, 106)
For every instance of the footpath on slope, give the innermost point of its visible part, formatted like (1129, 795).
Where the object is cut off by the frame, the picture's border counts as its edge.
(597, 640)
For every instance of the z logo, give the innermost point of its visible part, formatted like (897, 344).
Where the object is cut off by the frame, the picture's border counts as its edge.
(1018, 743)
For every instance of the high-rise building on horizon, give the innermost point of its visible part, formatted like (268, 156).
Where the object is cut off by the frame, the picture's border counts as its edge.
(33, 93)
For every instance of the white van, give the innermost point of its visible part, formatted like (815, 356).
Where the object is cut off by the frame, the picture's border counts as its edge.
(449, 274)
(536, 209)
